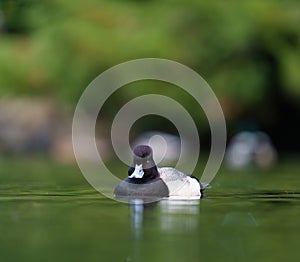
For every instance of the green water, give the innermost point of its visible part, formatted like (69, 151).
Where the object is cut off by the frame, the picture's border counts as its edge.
(49, 213)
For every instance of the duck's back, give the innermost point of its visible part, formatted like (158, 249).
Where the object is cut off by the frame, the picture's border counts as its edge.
(178, 183)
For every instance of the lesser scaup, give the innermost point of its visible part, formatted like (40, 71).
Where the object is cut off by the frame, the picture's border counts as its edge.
(145, 179)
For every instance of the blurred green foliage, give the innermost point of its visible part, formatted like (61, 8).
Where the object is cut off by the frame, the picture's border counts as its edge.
(57, 47)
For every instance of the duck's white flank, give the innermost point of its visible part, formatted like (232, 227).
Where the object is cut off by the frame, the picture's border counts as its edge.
(178, 183)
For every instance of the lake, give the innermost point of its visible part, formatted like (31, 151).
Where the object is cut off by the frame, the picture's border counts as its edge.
(48, 212)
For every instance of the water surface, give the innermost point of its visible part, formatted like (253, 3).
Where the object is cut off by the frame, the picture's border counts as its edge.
(54, 215)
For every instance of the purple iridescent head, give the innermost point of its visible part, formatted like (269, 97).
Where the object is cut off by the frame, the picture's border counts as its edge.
(142, 151)
(143, 162)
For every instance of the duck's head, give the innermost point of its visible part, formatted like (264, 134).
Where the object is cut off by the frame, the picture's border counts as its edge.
(143, 166)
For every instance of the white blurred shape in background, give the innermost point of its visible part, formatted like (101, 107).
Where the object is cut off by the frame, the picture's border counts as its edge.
(247, 148)
(166, 147)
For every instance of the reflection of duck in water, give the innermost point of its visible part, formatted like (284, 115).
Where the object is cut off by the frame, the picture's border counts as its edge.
(146, 180)
(170, 216)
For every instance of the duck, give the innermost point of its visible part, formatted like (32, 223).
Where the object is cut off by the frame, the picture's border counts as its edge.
(145, 179)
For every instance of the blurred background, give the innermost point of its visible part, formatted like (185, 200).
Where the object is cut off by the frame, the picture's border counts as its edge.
(248, 52)
(50, 51)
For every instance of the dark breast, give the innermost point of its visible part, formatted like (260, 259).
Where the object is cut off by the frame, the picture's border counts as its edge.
(154, 189)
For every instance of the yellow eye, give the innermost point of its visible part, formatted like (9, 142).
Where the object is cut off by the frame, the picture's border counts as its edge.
(147, 161)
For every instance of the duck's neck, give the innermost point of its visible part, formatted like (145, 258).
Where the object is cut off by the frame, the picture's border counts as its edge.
(151, 173)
